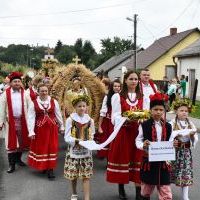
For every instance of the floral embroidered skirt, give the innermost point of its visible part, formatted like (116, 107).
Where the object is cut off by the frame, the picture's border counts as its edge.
(78, 167)
(182, 168)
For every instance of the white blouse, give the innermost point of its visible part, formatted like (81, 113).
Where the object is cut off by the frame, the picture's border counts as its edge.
(104, 107)
(184, 125)
(32, 114)
(139, 141)
(116, 115)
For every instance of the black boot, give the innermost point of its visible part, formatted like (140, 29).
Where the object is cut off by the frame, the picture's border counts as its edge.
(122, 193)
(19, 160)
(138, 193)
(51, 175)
(11, 161)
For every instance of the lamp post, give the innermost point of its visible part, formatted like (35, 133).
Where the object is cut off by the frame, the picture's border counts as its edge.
(134, 20)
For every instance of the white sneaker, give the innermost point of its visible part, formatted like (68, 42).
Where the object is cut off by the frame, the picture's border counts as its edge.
(74, 197)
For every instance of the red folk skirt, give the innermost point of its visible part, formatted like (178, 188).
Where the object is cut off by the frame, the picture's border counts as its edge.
(44, 148)
(124, 159)
(107, 128)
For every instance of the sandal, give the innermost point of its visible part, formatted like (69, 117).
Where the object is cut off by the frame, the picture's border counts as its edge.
(74, 197)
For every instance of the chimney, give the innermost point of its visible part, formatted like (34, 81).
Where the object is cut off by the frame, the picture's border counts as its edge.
(173, 31)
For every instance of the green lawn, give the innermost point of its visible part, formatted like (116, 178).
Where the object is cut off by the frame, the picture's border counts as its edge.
(196, 113)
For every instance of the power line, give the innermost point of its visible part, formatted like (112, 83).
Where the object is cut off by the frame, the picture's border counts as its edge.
(70, 11)
(172, 23)
(56, 25)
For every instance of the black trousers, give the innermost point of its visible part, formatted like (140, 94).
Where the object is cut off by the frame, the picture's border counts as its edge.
(14, 157)
(172, 98)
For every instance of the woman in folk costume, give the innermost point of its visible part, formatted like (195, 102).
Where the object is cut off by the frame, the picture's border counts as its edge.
(105, 124)
(123, 157)
(147, 88)
(31, 92)
(182, 167)
(78, 162)
(13, 109)
(155, 129)
(44, 123)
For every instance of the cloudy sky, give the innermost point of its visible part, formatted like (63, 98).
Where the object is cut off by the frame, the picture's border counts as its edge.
(43, 22)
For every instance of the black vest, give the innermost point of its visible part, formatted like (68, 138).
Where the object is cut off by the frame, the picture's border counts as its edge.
(154, 173)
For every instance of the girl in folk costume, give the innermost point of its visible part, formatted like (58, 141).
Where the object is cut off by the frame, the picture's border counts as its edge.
(123, 157)
(44, 122)
(31, 92)
(147, 88)
(154, 174)
(78, 162)
(182, 170)
(13, 109)
(105, 125)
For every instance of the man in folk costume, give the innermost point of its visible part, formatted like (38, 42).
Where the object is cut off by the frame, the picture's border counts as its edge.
(13, 106)
(147, 88)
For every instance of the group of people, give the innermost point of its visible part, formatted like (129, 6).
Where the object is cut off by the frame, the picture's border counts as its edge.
(33, 120)
(174, 88)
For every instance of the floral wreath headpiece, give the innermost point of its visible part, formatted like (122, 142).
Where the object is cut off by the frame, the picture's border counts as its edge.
(183, 102)
(79, 98)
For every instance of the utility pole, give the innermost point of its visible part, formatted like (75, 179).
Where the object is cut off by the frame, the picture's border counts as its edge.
(135, 42)
(134, 20)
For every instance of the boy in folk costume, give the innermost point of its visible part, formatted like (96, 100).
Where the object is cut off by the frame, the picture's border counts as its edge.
(154, 174)
(147, 88)
(13, 107)
(182, 170)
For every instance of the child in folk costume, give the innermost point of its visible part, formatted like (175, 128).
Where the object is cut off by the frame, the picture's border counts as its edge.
(105, 124)
(124, 158)
(44, 123)
(78, 162)
(154, 174)
(182, 169)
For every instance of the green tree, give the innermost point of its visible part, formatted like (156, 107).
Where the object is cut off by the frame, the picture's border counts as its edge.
(58, 47)
(66, 54)
(113, 47)
(78, 47)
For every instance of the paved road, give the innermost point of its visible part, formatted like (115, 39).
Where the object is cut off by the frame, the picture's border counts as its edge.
(27, 184)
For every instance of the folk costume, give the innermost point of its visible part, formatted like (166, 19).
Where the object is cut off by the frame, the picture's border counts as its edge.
(44, 122)
(182, 167)
(78, 161)
(147, 90)
(123, 157)
(13, 106)
(106, 126)
(32, 93)
(154, 174)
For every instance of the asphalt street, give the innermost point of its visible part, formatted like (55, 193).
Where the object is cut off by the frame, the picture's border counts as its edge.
(28, 184)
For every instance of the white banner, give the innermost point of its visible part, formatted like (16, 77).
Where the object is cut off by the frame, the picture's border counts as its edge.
(161, 151)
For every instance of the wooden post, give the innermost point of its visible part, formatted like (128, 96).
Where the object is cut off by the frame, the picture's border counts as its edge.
(195, 92)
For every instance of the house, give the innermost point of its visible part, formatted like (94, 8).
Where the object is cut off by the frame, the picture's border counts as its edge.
(112, 67)
(158, 57)
(188, 63)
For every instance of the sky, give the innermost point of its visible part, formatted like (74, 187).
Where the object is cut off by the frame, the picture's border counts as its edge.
(44, 22)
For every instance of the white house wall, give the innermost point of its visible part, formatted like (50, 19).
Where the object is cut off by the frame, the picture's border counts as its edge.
(184, 64)
(117, 72)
